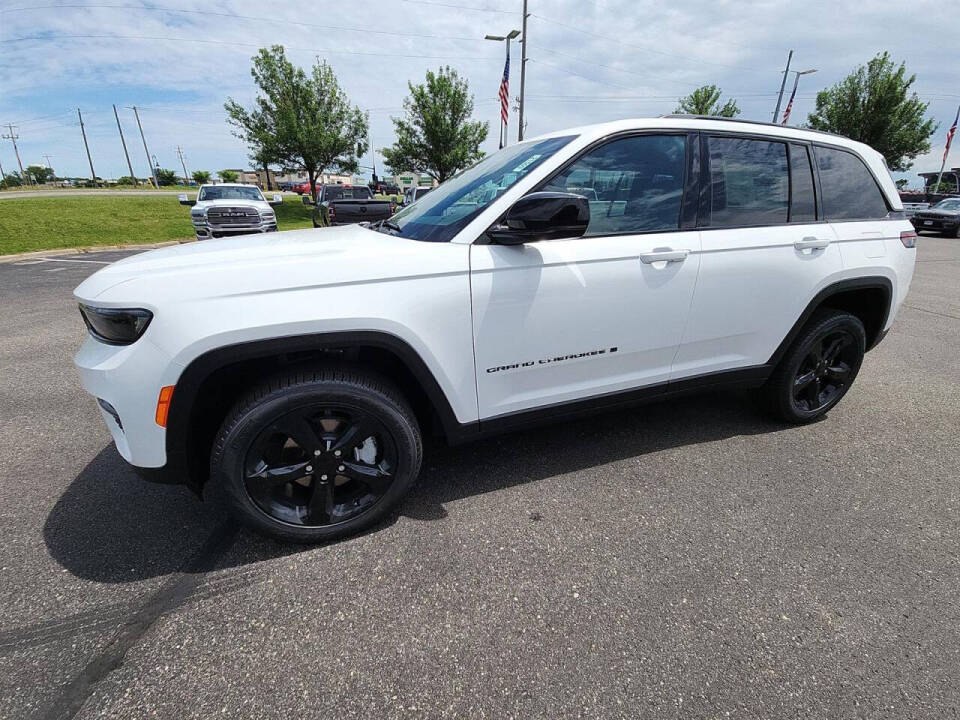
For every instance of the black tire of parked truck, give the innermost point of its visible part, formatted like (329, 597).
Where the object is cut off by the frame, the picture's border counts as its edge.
(818, 368)
(317, 454)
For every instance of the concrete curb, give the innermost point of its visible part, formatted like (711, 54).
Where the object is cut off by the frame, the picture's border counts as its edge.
(40, 254)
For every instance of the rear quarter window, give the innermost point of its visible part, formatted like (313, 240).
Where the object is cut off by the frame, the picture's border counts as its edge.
(850, 192)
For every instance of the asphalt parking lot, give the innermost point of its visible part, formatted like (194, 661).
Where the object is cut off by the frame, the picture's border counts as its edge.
(685, 560)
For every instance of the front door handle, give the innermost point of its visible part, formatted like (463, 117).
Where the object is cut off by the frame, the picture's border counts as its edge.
(664, 256)
(811, 243)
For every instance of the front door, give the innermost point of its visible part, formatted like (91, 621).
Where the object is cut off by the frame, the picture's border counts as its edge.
(563, 320)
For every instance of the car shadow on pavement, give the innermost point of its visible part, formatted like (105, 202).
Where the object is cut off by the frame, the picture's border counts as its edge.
(110, 526)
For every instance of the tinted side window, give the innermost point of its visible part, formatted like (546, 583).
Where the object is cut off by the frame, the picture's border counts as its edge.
(634, 185)
(748, 182)
(849, 189)
(803, 202)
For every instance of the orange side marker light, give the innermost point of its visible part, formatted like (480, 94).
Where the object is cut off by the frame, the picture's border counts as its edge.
(163, 405)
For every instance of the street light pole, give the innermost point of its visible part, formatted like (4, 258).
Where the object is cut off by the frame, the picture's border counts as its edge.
(793, 94)
(783, 84)
(523, 70)
(504, 38)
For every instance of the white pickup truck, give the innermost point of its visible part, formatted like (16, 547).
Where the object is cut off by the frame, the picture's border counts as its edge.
(231, 209)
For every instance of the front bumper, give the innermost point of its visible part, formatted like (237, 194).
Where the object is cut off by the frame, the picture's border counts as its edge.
(204, 230)
(127, 379)
(945, 224)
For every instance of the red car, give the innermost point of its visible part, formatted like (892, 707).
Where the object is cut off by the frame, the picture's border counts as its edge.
(303, 188)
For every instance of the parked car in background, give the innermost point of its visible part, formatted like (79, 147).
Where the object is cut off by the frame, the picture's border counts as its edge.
(944, 217)
(346, 205)
(411, 195)
(231, 209)
(299, 375)
(382, 188)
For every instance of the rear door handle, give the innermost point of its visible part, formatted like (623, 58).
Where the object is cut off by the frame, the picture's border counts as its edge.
(664, 256)
(811, 243)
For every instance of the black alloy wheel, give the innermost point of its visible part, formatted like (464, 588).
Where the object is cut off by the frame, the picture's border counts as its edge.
(317, 454)
(818, 368)
(826, 371)
(320, 465)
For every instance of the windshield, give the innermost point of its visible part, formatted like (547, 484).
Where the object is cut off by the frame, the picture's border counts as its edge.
(449, 208)
(949, 204)
(230, 192)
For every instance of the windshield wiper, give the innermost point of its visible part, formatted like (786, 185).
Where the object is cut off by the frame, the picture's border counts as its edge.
(389, 225)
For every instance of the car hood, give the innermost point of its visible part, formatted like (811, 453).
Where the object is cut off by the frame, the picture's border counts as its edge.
(250, 264)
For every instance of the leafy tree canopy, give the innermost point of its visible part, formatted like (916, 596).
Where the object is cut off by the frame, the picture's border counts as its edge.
(200, 176)
(705, 100)
(299, 120)
(39, 174)
(874, 105)
(166, 177)
(228, 176)
(436, 136)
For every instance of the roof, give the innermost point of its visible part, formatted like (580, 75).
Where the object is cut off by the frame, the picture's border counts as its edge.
(704, 122)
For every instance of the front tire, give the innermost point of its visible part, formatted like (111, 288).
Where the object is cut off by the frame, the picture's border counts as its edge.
(317, 455)
(818, 369)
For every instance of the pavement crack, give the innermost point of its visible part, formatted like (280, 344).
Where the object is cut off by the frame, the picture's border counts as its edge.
(177, 590)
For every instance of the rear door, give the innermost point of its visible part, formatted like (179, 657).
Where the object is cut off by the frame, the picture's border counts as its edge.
(765, 251)
(855, 207)
(563, 320)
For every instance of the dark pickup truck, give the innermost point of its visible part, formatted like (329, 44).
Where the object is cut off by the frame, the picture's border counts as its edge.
(346, 205)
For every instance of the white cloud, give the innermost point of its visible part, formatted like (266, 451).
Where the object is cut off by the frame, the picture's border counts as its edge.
(590, 60)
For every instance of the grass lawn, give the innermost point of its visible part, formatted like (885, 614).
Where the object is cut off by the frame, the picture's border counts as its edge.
(77, 222)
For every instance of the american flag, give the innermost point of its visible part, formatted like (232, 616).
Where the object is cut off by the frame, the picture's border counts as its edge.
(950, 133)
(505, 89)
(786, 112)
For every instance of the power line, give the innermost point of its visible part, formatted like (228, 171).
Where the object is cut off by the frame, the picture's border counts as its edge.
(642, 48)
(255, 18)
(460, 7)
(238, 44)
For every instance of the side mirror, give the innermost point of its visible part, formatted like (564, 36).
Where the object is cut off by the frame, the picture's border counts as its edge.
(307, 200)
(277, 200)
(182, 197)
(543, 216)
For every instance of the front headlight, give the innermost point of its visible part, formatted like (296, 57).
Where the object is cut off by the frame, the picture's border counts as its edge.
(116, 326)
(267, 215)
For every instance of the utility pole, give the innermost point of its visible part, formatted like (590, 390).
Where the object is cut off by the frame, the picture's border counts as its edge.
(93, 175)
(783, 84)
(153, 172)
(523, 68)
(124, 143)
(186, 178)
(53, 175)
(13, 138)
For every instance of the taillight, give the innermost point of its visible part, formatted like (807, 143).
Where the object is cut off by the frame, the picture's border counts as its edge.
(908, 238)
(333, 213)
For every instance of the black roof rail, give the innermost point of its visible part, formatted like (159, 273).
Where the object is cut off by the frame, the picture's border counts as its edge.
(747, 122)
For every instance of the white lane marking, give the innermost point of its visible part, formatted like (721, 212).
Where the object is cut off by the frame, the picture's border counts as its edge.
(95, 262)
(63, 260)
(55, 270)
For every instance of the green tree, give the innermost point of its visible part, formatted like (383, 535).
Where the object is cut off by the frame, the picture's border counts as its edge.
(436, 135)
(298, 120)
(200, 177)
(11, 180)
(874, 105)
(126, 180)
(228, 176)
(166, 177)
(39, 174)
(705, 100)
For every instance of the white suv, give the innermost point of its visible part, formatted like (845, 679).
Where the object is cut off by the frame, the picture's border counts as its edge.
(584, 269)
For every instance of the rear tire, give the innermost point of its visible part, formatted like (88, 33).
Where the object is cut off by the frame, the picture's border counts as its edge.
(317, 455)
(818, 369)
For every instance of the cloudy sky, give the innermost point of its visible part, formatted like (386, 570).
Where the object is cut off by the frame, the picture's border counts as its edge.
(589, 61)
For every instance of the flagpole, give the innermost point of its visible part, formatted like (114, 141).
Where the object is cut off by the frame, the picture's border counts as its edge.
(946, 151)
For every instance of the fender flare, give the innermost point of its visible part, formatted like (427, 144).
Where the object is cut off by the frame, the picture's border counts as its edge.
(873, 282)
(200, 369)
